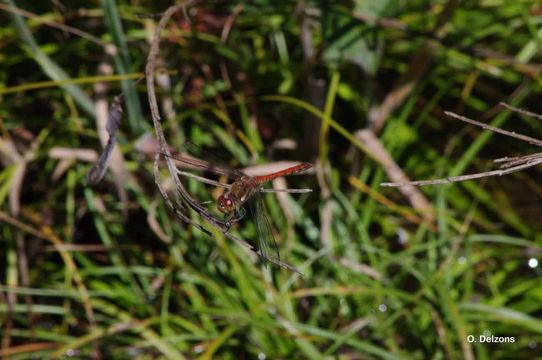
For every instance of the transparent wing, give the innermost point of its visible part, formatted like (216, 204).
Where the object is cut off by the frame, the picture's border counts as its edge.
(203, 165)
(267, 245)
(214, 157)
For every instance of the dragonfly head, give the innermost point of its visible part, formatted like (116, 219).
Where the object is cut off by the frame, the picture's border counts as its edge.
(225, 204)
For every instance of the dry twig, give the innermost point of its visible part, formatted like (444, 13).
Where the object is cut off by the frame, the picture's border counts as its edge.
(508, 165)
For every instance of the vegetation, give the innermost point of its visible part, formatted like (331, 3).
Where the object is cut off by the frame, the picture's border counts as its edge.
(358, 88)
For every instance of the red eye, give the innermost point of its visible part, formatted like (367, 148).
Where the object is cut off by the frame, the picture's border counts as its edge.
(228, 202)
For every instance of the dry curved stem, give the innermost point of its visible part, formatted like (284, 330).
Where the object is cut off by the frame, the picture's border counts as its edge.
(181, 195)
(508, 165)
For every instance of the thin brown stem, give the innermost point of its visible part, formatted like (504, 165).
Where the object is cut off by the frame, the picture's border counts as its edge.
(525, 138)
(453, 179)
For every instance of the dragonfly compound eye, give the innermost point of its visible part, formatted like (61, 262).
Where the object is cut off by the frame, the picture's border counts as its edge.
(224, 204)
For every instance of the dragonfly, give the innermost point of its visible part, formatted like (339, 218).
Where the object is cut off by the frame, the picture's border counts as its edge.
(244, 191)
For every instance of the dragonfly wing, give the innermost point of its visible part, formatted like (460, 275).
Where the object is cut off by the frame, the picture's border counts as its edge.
(266, 240)
(203, 165)
(214, 158)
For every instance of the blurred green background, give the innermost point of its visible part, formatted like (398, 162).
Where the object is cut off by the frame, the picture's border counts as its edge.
(356, 87)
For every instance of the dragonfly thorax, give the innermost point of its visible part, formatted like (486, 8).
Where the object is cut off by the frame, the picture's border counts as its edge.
(241, 190)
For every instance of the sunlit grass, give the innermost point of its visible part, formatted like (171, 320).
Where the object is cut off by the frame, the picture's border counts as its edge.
(84, 273)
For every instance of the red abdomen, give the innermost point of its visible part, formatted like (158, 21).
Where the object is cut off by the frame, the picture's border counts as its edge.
(288, 171)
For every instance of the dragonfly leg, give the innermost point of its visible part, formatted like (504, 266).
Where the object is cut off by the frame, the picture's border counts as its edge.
(227, 221)
(234, 217)
(242, 212)
(239, 214)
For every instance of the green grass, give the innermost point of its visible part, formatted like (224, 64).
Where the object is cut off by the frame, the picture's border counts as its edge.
(85, 273)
